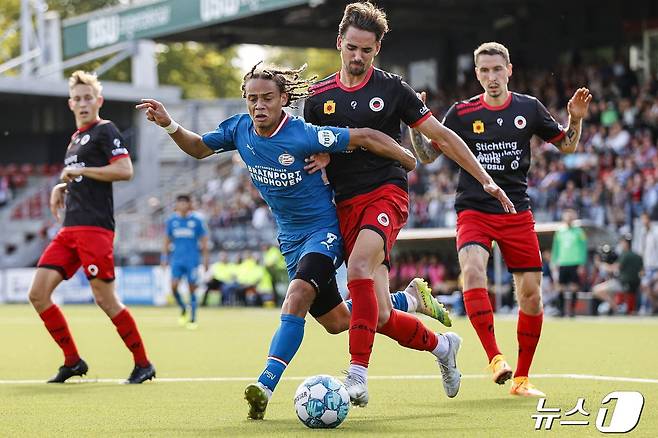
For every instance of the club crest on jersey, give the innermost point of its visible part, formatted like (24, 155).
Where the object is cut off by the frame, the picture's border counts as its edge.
(478, 127)
(326, 137)
(382, 218)
(376, 104)
(286, 159)
(85, 139)
(329, 107)
(519, 122)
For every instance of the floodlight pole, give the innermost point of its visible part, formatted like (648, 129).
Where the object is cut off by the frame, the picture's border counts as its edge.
(26, 34)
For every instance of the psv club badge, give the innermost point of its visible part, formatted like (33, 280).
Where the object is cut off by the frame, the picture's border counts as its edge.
(329, 107)
(478, 127)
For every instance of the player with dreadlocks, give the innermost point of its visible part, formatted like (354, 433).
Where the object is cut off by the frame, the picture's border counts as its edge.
(274, 146)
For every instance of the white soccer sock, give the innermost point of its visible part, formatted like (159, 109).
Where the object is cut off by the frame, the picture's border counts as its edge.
(412, 303)
(442, 347)
(360, 371)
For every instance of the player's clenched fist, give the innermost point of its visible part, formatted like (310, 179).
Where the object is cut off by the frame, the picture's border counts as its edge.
(155, 112)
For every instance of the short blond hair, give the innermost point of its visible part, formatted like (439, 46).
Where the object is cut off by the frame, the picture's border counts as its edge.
(85, 78)
(491, 48)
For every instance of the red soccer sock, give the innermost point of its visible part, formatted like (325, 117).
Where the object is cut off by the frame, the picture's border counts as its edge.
(409, 331)
(363, 322)
(480, 313)
(528, 330)
(128, 331)
(55, 323)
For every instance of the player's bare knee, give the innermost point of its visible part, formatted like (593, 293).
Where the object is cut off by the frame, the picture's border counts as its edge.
(358, 269)
(531, 302)
(474, 275)
(299, 298)
(38, 297)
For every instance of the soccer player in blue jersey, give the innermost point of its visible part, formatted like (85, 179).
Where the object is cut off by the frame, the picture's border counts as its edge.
(274, 146)
(186, 239)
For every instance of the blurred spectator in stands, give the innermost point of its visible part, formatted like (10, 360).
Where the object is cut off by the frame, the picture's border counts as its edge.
(5, 191)
(436, 275)
(645, 243)
(569, 256)
(275, 265)
(249, 274)
(548, 291)
(569, 199)
(261, 216)
(223, 280)
(625, 283)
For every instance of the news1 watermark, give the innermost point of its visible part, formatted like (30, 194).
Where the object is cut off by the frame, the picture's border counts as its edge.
(618, 412)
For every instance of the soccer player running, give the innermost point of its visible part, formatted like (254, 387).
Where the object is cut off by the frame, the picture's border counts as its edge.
(95, 157)
(371, 192)
(186, 240)
(498, 125)
(274, 146)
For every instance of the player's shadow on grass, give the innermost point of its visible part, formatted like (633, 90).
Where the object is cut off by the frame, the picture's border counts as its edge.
(44, 389)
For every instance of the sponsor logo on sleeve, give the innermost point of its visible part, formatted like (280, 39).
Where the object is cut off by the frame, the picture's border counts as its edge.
(326, 137)
(117, 143)
(119, 151)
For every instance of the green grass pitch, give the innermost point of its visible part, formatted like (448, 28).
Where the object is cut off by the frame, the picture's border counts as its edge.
(215, 362)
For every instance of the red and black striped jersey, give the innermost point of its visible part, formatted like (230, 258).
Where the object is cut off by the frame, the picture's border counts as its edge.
(88, 201)
(499, 137)
(380, 102)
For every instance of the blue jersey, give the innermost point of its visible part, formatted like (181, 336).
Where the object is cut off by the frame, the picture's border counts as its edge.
(184, 234)
(301, 203)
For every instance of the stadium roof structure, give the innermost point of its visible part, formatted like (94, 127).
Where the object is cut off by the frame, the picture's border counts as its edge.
(114, 91)
(534, 29)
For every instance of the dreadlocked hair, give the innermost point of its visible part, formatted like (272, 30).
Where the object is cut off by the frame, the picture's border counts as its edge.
(288, 81)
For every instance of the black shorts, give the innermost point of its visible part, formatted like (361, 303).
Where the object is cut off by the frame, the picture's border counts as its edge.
(568, 275)
(632, 287)
(319, 271)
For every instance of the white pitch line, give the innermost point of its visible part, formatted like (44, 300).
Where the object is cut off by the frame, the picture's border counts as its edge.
(409, 377)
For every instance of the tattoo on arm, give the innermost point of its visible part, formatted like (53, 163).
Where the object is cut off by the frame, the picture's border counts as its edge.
(571, 134)
(418, 139)
(569, 142)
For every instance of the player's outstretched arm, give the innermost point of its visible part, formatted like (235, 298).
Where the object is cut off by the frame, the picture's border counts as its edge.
(188, 141)
(426, 151)
(381, 144)
(577, 109)
(455, 149)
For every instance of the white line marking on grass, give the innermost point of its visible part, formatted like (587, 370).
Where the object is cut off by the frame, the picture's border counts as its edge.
(409, 377)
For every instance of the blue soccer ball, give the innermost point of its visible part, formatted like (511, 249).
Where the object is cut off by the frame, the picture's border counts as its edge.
(321, 402)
